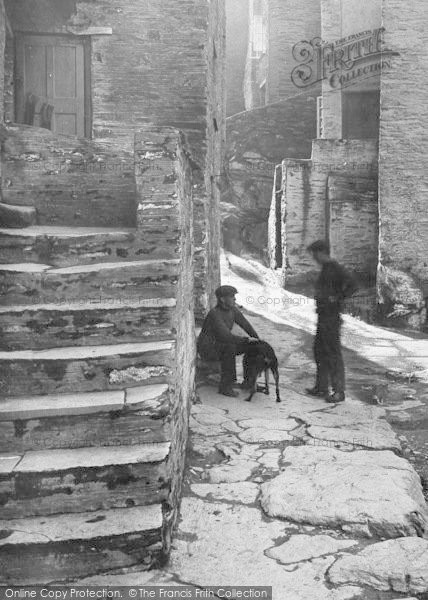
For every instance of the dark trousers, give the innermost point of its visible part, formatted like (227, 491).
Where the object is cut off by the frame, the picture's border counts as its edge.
(328, 353)
(226, 354)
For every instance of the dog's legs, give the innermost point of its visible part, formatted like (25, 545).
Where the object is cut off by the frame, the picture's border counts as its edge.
(267, 382)
(276, 377)
(253, 389)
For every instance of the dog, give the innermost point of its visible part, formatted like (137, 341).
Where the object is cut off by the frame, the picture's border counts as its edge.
(260, 358)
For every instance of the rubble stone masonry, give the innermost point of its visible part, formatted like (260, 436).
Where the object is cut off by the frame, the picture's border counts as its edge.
(290, 22)
(403, 173)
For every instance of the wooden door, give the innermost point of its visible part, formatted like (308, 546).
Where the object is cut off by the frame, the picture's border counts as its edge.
(50, 71)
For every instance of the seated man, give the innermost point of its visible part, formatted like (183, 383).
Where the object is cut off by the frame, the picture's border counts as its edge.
(216, 342)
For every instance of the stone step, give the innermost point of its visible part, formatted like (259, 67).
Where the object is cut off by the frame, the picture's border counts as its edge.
(85, 369)
(66, 246)
(137, 415)
(48, 482)
(39, 283)
(39, 326)
(63, 547)
(16, 216)
(70, 246)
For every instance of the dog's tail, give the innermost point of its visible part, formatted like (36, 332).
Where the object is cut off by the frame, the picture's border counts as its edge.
(275, 374)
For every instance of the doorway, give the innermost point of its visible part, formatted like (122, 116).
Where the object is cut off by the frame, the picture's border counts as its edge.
(52, 83)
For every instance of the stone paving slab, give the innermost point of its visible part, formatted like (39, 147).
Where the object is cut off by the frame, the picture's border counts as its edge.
(365, 492)
(231, 540)
(400, 565)
(299, 548)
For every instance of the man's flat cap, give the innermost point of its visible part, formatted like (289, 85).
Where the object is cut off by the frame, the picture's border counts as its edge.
(225, 290)
(319, 246)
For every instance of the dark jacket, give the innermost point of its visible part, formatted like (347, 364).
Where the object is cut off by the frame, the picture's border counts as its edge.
(333, 286)
(217, 328)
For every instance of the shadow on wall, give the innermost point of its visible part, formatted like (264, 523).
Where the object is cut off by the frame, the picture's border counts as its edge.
(258, 140)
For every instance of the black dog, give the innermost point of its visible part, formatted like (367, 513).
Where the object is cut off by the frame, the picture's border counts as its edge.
(260, 358)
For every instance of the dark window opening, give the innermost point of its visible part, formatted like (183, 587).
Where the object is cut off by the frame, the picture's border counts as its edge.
(360, 114)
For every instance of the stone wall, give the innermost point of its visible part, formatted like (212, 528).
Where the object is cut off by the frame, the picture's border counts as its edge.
(213, 168)
(237, 29)
(308, 187)
(275, 241)
(256, 142)
(163, 168)
(353, 220)
(2, 49)
(69, 181)
(290, 22)
(403, 176)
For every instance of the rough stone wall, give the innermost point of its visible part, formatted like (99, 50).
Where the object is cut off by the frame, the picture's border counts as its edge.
(305, 200)
(69, 181)
(216, 138)
(9, 79)
(257, 141)
(237, 29)
(275, 222)
(2, 51)
(163, 166)
(353, 224)
(403, 175)
(290, 22)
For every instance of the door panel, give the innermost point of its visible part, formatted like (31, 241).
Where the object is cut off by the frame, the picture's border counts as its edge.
(50, 70)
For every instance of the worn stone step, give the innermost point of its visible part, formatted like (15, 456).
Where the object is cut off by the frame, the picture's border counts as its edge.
(137, 415)
(63, 547)
(85, 369)
(17, 216)
(67, 246)
(50, 482)
(39, 283)
(38, 326)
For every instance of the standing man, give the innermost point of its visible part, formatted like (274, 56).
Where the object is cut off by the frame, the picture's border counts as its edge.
(334, 284)
(216, 341)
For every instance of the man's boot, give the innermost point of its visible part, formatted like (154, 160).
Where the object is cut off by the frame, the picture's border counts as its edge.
(336, 397)
(316, 392)
(227, 391)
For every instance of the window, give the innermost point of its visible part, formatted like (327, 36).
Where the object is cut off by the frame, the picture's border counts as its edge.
(360, 114)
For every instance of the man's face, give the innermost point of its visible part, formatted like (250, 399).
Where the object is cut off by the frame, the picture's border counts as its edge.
(228, 301)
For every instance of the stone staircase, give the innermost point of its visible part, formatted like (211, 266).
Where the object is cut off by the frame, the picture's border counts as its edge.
(96, 369)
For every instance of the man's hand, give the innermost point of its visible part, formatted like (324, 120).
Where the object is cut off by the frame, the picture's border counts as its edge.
(252, 340)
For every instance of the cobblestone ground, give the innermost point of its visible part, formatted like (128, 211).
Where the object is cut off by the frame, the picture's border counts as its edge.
(317, 501)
